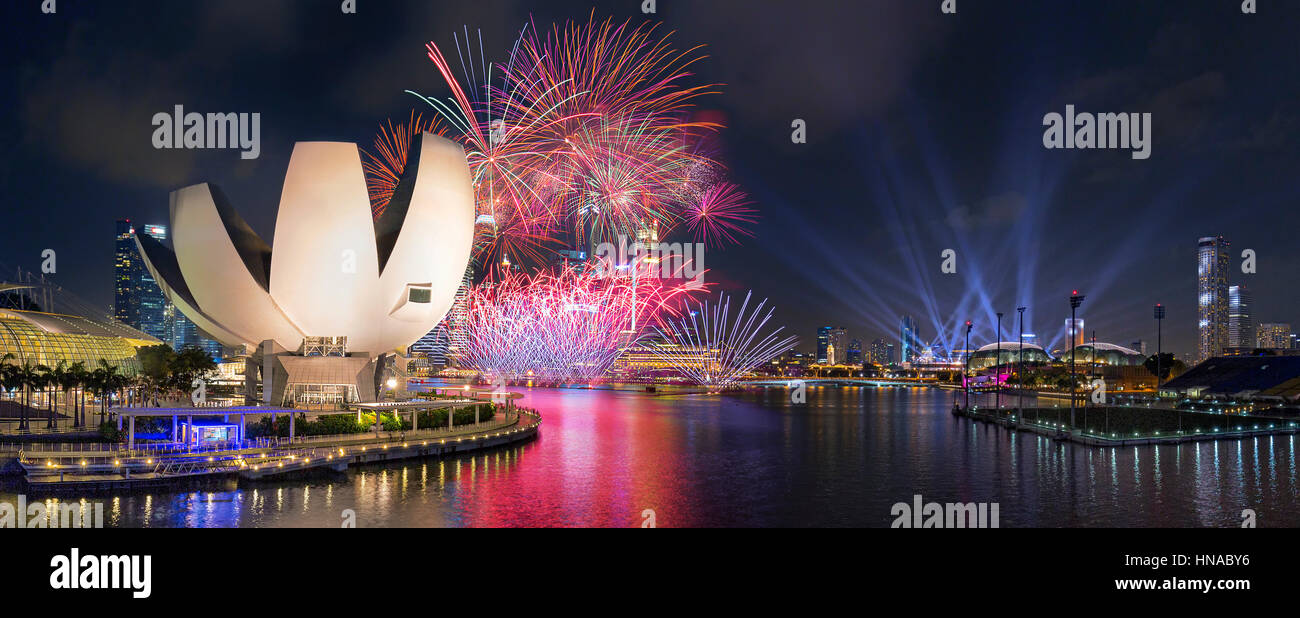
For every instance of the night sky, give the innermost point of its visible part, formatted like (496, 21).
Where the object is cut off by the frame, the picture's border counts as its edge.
(924, 134)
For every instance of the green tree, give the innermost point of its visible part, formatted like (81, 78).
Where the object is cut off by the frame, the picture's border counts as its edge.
(188, 365)
(1167, 363)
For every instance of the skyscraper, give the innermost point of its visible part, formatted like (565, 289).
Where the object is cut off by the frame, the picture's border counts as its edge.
(1212, 296)
(458, 318)
(854, 356)
(882, 352)
(433, 346)
(823, 343)
(1241, 329)
(127, 267)
(837, 350)
(909, 341)
(139, 303)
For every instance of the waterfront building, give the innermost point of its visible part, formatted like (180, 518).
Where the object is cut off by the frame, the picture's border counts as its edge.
(1211, 296)
(1105, 354)
(369, 286)
(1268, 378)
(1007, 354)
(44, 338)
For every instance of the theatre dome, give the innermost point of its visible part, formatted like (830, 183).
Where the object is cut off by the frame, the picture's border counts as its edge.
(1104, 353)
(988, 355)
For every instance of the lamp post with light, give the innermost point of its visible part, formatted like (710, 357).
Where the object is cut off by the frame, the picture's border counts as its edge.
(1075, 301)
(997, 373)
(1020, 406)
(965, 376)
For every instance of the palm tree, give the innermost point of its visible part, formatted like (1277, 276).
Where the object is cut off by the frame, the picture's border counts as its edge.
(9, 374)
(77, 380)
(113, 381)
(30, 377)
(57, 380)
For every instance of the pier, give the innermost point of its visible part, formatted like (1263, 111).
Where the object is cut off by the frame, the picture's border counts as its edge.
(1130, 425)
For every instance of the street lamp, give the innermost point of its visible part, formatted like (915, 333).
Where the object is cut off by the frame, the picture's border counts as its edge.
(1075, 301)
(1020, 406)
(965, 376)
(1160, 316)
(997, 373)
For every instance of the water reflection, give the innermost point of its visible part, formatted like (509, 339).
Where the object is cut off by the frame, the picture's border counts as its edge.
(755, 459)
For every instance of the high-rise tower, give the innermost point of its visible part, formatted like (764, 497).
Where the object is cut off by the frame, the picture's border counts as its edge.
(1212, 296)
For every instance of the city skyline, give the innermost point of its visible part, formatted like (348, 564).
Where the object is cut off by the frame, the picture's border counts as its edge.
(957, 172)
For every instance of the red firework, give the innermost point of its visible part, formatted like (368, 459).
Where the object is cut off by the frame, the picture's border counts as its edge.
(720, 214)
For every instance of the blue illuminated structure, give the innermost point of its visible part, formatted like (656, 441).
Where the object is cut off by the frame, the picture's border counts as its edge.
(200, 433)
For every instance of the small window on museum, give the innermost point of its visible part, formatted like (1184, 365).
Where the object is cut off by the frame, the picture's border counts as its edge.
(421, 295)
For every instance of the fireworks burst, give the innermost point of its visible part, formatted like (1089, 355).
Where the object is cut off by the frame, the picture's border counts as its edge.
(713, 351)
(584, 134)
(720, 215)
(569, 326)
(385, 166)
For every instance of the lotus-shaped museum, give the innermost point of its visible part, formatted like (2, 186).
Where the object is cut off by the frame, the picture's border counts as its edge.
(333, 270)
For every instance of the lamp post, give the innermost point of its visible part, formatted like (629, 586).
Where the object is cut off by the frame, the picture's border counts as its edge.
(1020, 405)
(965, 376)
(1075, 301)
(1160, 316)
(997, 373)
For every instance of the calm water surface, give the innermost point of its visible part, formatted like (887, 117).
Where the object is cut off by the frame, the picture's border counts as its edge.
(753, 459)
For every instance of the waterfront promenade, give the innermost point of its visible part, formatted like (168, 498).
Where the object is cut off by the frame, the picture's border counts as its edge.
(57, 468)
(1131, 425)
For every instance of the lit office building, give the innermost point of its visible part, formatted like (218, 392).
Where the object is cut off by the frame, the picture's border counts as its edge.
(909, 341)
(139, 303)
(1241, 329)
(837, 349)
(458, 318)
(823, 344)
(854, 356)
(1212, 296)
(882, 352)
(1273, 336)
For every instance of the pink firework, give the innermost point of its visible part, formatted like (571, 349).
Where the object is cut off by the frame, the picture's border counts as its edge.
(569, 326)
(586, 132)
(720, 215)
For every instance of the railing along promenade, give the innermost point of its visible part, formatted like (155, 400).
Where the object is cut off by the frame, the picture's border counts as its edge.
(101, 455)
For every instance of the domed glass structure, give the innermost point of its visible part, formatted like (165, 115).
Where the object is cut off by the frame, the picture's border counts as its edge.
(1105, 354)
(989, 356)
